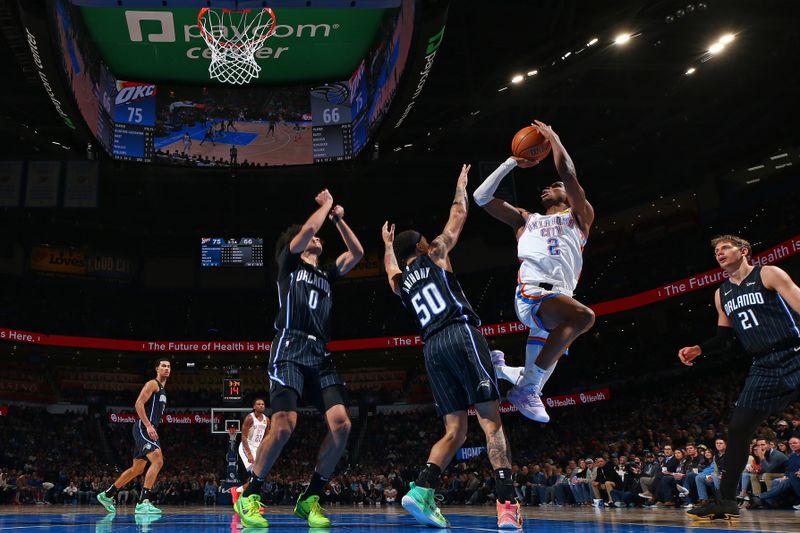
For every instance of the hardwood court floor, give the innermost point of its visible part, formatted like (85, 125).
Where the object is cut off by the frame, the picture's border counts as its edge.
(85, 519)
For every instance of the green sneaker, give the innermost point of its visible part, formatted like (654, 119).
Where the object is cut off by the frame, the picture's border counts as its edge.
(420, 502)
(106, 502)
(309, 509)
(147, 508)
(249, 510)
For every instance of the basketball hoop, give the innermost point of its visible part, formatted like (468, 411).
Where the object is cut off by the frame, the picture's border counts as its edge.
(232, 431)
(233, 38)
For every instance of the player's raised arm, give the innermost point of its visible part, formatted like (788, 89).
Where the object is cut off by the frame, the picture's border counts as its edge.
(393, 272)
(313, 224)
(500, 209)
(147, 391)
(566, 171)
(354, 253)
(440, 246)
(779, 281)
(722, 342)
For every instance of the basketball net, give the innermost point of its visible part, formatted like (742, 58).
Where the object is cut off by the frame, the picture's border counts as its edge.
(233, 38)
(232, 434)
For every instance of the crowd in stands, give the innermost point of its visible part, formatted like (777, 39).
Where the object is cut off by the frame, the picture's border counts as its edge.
(646, 446)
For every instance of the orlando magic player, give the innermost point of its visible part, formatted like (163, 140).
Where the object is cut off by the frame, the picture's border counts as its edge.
(550, 251)
(761, 307)
(149, 407)
(255, 426)
(457, 359)
(299, 361)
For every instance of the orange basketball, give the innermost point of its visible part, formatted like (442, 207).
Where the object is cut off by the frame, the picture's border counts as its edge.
(530, 144)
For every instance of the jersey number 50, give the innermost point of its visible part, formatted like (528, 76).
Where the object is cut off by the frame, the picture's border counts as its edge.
(432, 305)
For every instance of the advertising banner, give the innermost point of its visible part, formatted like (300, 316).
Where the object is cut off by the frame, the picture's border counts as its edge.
(129, 417)
(58, 260)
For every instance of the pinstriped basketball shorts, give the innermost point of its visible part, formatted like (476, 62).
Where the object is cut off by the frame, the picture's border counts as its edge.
(459, 368)
(773, 381)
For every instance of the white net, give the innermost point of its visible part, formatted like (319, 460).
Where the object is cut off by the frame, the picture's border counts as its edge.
(234, 37)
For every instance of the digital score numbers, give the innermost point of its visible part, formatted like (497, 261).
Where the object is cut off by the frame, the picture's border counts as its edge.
(331, 130)
(222, 252)
(231, 389)
(134, 121)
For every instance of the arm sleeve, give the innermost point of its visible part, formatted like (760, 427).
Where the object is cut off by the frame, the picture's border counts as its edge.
(484, 194)
(722, 342)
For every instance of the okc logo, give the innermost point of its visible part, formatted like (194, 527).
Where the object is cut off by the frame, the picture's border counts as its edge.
(583, 398)
(550, 402)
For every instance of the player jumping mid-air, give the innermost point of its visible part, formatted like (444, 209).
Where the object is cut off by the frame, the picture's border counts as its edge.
(550, 251)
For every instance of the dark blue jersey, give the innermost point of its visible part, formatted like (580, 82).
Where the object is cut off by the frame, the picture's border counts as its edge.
(155, 405)
(304, 295)
(762, 319)
(434, 296)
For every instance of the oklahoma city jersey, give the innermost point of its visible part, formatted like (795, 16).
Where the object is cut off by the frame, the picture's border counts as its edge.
(550, 250)
(257, 432)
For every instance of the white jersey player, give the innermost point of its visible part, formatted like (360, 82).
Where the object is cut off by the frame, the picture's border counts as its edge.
(550, 250)
(254, 429)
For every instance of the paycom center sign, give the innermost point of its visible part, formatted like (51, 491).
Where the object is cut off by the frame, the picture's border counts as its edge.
(166, 45)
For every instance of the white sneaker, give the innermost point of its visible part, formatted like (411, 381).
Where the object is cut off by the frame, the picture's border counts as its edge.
(796, 507)
(683, 490)
(526, 399)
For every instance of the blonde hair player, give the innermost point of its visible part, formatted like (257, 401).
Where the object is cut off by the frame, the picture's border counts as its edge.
(254, 428)
(550, 251)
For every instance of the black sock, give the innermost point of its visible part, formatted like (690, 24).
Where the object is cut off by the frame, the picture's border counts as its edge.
(429, 476)
(254, 487)
(505, 486)
(145, 495)
(111, 491)
(315, 487)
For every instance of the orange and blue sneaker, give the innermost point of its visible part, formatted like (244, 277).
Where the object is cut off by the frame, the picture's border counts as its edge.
(509, 515)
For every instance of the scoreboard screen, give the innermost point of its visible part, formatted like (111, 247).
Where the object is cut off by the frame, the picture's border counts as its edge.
(224, 252)
(231, 389)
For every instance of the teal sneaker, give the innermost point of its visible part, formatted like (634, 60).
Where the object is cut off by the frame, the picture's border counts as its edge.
(420, 502)
(104, 524)
(144, 521)
(249, 510)
(106, 502)
(310, 509)
(147, 508)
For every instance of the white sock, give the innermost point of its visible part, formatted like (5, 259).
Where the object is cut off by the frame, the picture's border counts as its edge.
(547, 375)
(533, 376)
(509, 373)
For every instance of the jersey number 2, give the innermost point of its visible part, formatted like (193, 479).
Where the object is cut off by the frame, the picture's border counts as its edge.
(433, 304)
(746, 317)
(552, 246)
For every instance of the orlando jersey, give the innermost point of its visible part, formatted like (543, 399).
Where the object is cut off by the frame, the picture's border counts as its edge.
(762, 319)
(304, 295)
(434, 296)
(155, 405)
(550, 250)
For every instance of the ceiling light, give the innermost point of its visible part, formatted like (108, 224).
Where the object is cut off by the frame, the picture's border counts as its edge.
(716, 48)
(518, 78)
(533, 73)
(567, 55)
(622, 38)
(501, 89)
(593, 41)
(725, 39)
(690, 71)
(779, 156)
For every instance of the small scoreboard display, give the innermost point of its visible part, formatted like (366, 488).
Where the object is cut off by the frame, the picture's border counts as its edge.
(231, 389)
(224, 252)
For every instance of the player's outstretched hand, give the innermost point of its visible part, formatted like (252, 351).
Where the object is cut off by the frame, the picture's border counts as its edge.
(546, 131)
(337, 213)
(464, 176)
(387, 232)
(689, 354)
(324, 197)
(524, 163)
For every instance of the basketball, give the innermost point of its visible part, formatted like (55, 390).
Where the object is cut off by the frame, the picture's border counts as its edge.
(530, 144)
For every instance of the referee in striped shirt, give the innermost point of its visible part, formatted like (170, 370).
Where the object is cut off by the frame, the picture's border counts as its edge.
(759, 306)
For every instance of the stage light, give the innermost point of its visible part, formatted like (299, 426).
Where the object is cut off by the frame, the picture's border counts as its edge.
(593, 41)
(716, 48)
(518, 78)
(622, 38)
(725, 39)
(690, 71)
(533, 73)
